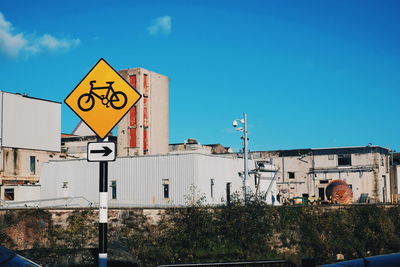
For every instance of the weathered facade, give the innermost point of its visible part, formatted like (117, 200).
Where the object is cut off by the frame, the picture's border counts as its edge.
(192, 145)
(75, 146)
(144, 130)
(30, 135)
(307, 172)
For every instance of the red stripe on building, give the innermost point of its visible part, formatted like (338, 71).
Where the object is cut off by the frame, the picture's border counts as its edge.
(145, 114)
(132, 127)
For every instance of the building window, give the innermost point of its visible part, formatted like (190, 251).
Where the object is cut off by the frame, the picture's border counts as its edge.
(344, 160)
(330, 157)
(113, 189)
(324, 182)
(33, 164)
(166, 188)
(228, 193)
(9, 194)
(321, 193)
(212, 187)
(291, 175)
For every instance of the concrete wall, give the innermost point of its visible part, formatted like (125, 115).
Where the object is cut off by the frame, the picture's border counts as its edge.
(21, 192)
(198, 148)
(76, 149)
(189, 148)
(16, 165)
(298, 166)
(308, 173)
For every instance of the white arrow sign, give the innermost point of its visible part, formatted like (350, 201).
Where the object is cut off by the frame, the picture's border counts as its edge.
(101, 151)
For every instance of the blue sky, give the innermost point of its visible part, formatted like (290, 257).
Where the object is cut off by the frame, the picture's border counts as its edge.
(307, 73)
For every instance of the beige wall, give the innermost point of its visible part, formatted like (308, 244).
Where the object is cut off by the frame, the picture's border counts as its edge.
(293, 186)
(21, 192)
(16, 168)
(324, 161)
(157, 115)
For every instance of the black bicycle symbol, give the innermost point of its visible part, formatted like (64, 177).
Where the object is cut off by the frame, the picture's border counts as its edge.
(116, 99)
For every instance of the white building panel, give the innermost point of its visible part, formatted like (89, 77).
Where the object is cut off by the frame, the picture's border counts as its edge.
(222, 170)
(30, 123)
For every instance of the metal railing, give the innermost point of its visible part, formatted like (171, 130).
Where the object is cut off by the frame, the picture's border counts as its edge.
(49, 202)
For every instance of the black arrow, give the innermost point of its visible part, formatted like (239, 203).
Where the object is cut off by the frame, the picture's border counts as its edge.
(106, 151)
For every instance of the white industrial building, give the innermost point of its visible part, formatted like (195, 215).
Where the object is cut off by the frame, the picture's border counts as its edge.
(156, 180)
(29, 135)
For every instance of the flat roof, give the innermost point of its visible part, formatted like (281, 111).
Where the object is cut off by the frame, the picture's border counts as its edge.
(35, 98)
(329, 151)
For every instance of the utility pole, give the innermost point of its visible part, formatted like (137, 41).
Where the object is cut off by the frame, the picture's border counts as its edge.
(245, 157)
(245, 151)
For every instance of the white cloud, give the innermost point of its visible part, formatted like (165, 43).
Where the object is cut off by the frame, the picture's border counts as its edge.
(14, 44)
(51, 43)
(161, 25)
(10, 44)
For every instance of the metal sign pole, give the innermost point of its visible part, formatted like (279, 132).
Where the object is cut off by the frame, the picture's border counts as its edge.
(103, 216)
(101, 117)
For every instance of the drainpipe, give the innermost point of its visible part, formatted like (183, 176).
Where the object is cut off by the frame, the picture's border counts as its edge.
(313, 172)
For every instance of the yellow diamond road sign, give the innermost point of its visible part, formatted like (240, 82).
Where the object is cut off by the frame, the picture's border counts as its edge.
(102, 98)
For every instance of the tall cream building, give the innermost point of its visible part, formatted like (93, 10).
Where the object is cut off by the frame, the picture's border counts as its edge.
(144, 130)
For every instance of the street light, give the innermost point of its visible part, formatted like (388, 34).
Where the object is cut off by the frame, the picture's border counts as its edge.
(245, 150)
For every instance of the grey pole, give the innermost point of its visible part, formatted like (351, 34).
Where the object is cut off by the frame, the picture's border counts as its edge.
(245, 157)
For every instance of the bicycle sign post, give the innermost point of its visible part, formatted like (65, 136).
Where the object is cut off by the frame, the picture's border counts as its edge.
(101, 100)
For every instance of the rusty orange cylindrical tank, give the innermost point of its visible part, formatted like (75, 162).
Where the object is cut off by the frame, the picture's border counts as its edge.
(338, 191)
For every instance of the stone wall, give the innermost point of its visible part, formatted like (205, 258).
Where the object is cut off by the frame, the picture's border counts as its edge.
(202, 234)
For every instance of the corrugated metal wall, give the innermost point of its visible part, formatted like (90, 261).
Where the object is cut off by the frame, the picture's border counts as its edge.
(139, 180)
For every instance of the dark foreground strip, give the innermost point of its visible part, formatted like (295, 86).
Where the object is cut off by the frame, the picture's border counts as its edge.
(236, 263)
